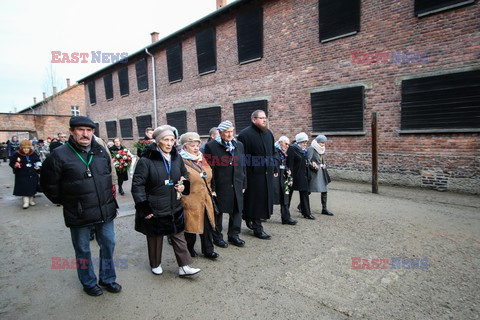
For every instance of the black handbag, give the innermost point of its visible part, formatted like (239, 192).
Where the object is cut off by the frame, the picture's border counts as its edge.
(326, 175)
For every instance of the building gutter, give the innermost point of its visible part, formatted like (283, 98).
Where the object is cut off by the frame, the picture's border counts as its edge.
(154, 85)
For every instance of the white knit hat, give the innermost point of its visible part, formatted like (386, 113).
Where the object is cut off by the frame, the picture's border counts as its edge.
(302, 136)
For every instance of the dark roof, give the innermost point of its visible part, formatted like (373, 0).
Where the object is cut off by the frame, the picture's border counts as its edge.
(210, 17)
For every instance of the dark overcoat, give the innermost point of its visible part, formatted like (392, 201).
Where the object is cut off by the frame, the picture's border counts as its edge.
(152, 194)
(297, 161)
(86, 200)
(280, 179)
(26, 177)
(229, 174)
(259, 148)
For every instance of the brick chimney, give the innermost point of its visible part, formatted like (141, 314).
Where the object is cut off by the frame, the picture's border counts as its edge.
(34, 100)
(68, 83)
(154, 35)
(44, 96)
(221, 3)
(54, 90)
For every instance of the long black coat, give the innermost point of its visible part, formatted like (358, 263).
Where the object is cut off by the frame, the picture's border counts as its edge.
(259, 148)
(26, 177)
(86, 200)
(297, 161)
(229, 174)
(279, 181)
(152, 195)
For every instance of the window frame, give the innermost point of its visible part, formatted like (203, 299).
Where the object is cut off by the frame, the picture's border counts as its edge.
(245, 37)
(123, 73)
(331, 35)
(142, 63)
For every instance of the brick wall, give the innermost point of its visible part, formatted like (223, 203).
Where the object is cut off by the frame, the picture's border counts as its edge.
(295, 63)
(40, 126)
(61, 103)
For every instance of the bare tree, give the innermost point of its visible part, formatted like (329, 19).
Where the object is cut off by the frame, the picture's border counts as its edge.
(52, 79)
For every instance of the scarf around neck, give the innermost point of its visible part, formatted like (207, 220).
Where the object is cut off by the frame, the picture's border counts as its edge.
(188, 156)
(224, 143)
(317, 147)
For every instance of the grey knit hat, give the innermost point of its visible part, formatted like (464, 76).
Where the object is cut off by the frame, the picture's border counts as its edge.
(224, 125)
(301, 137)
(163, 131)
(321, 138)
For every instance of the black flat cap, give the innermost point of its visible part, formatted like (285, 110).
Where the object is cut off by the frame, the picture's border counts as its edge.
(81, 121)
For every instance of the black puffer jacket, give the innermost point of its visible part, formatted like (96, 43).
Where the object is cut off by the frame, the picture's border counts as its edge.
(152, 195)
(297, 161)
(86, 201)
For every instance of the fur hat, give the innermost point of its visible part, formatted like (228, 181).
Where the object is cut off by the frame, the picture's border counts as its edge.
(189, 137)
(26, 144)
(301, 137)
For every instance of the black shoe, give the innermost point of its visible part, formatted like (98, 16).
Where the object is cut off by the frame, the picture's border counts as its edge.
(169, 239)
(249, 224)
(290, 222)
(193, 254)
(122, 192)
(236, 241)
(309, 216)
(327, 213)
(94, 291)
(263, 220)
(221, 243)
(92, 236)
(111, 287)
(262, 235)
(211, 255)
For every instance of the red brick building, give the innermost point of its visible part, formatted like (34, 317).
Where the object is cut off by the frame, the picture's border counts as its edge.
(319, 66)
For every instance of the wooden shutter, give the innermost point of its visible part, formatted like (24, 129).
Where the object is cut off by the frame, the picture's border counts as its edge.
(250, 35)
(426, 7)
(450, 101)
(178, 120)
(97, 129)
(107, 81)
(142, 74)
(111, 129)
(143, 122)
(126, 128)
(338, 18)
(91, 92)
(243, 112)
(338, 110)
(174, 62)
(207, 118)
(206, 50)
(123, 80)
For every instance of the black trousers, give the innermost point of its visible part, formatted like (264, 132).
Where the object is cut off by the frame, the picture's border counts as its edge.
(234, 224)
(304, 202)
(284, 206)
(206, 239)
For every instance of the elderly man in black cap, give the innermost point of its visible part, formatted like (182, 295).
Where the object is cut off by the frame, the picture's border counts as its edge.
(77, 175)
(224, 155)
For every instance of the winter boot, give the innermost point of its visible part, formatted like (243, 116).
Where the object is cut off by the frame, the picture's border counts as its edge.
(31, 202)
(26, 202)
(324, 205)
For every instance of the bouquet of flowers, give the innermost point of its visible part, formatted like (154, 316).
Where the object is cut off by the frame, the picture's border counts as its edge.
(141, 144)
(287, 187)
(122, 159)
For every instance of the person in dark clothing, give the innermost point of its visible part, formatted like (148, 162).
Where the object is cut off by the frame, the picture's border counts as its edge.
(26, 167)
(297, 161)
(212, 134)
(281, 191)
(157, 184)
(225, 154)
(259, 149)
(145, 141)
(78, 175)
(62, 139)
(4, 151)
(12, 146)
(121, 174)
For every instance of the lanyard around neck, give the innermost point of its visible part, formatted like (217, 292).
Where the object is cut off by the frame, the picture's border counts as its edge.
(80, 157)
(167, 166)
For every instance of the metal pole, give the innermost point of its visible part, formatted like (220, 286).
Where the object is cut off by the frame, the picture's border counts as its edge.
(374, 154)
(154, 85)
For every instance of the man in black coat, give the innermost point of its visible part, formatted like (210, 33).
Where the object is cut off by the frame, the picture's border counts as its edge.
(260, 164)
(224, 155)
(62, 139)
(78, 175)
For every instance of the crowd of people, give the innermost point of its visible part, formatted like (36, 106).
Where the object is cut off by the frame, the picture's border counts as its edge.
(181, 188)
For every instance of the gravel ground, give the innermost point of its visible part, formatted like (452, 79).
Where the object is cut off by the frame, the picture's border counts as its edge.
(303, 272)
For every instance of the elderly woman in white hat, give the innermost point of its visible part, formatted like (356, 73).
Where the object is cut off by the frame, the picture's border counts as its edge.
(320, 178)
(297, 161)
(198, 206)
(157, 184)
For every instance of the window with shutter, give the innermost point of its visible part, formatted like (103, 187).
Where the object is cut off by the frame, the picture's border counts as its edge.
(91, 92)
(206, 51)
(142, 74)
(107, 81)
(143, 122)
(123, 81)
(111, 129)
(250, 35)
(243, 112)
(126, 128)
(427, 7)
(443, 102)
(178, 120)
(338, 18)
(97, 129)
(174, 62)
(207, 118)
(339, 110)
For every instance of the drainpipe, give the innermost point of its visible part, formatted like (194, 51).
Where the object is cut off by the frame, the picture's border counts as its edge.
(155, 121)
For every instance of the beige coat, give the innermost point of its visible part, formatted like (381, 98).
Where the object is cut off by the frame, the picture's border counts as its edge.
(198, 200)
